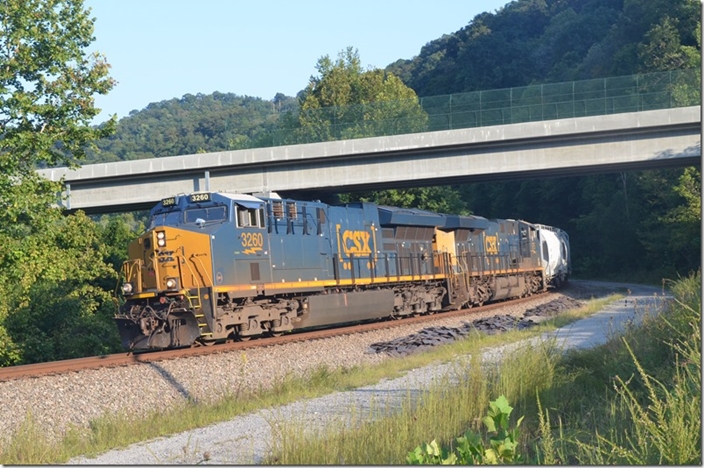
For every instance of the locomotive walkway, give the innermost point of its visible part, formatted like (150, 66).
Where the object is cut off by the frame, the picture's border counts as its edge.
(247, 439)
(560, 129)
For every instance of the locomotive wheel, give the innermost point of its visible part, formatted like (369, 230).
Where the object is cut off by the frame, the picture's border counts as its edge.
(269, 332)
(235, 336)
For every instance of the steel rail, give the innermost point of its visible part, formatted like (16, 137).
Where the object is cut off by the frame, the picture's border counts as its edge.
(125, 359)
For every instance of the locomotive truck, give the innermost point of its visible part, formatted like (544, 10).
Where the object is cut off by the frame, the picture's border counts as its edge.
(216, 266)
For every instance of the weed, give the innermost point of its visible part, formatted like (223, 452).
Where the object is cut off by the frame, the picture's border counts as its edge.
(500, 447)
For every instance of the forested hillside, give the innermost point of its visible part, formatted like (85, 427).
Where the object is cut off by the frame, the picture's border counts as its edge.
(544, 41)
(193, 124)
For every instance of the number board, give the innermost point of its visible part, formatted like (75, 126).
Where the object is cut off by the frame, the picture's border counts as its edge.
(171, 201)
(199, 197)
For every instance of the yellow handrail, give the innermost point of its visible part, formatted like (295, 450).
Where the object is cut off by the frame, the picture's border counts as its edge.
(128, 267)
(193, 275)
(205, 270)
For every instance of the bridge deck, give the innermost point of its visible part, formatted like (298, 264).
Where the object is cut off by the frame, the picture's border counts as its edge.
(606, 143)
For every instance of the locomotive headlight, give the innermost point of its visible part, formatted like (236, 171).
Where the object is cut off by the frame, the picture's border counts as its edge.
(171, 283)
(161, 238)
(127, 288)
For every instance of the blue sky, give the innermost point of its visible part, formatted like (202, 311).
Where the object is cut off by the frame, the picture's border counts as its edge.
(161, 49)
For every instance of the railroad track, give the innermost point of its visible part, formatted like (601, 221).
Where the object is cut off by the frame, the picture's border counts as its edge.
(126, 359)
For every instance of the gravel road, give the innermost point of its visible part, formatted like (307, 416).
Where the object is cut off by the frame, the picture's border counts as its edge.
(75, 399)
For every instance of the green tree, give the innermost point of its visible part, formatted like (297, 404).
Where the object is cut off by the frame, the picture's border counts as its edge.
(346, 102)
(66, 311)
(438, 199)
(192, 124)
(689, 188)
(47, 85)
(670, 227)
(662, 49)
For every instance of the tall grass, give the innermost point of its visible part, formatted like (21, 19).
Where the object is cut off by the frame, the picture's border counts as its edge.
(634, 400)
(445, 410)
(656, 420)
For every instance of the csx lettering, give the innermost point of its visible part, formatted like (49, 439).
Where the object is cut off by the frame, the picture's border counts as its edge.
(356, 242)
(490, 244)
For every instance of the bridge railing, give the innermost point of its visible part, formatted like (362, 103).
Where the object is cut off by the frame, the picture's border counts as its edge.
(662, 90)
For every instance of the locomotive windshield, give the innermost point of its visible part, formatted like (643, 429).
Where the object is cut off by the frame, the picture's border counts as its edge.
(165, 218)
(196, 215)
(208, 214)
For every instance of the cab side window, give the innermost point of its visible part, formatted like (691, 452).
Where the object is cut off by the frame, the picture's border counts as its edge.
(250, 217)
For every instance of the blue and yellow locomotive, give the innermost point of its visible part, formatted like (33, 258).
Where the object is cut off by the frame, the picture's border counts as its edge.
(218, 266)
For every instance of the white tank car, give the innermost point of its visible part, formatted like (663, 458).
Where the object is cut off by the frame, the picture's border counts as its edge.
(554, 254)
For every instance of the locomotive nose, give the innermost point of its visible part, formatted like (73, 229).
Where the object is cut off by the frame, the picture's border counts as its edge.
(153, 263)
(167, 260)
(167, 286)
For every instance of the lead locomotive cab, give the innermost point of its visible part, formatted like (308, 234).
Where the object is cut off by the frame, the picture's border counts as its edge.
(168, 276)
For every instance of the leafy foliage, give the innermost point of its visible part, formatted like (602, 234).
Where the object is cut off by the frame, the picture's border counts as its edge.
(47, 84)
(500, 448)
(116, 232)
(346, 102)
(439, 199)
(194, 124)
(57, 302)
(537, 41)
(619, 224)
(56, 283)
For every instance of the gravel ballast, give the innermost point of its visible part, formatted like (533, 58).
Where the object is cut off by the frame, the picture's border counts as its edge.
(56, 402)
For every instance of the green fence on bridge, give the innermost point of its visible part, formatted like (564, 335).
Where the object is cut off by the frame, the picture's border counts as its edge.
(634, 93)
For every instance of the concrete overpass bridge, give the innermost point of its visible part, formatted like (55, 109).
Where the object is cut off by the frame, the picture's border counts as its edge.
(639, 140)
(647, 139)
